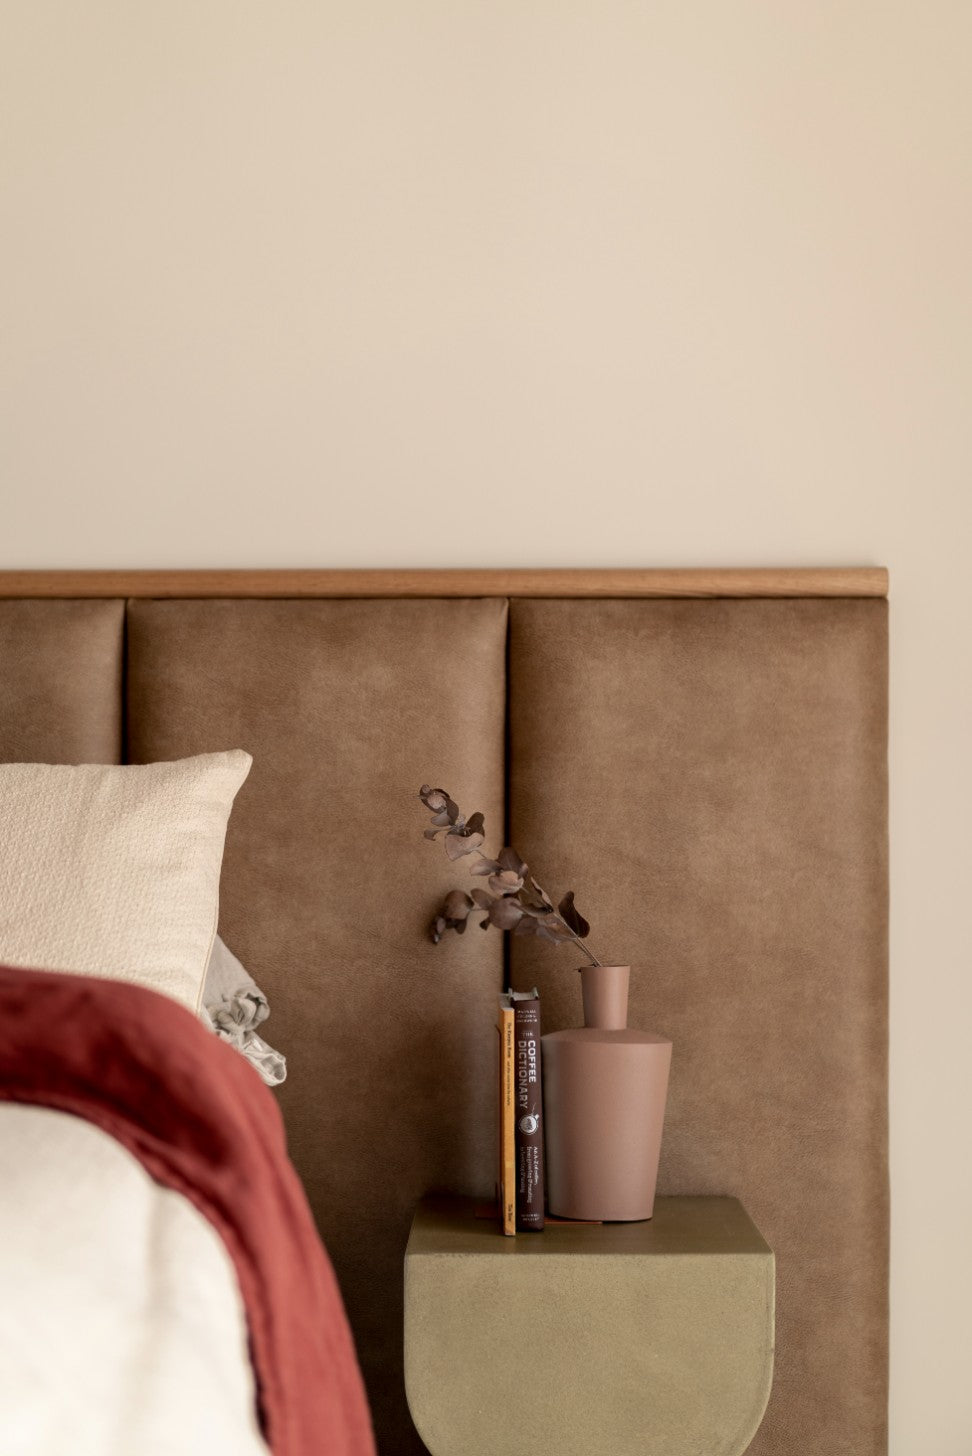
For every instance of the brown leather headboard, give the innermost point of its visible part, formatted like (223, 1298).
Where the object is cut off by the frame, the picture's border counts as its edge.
(702, 756)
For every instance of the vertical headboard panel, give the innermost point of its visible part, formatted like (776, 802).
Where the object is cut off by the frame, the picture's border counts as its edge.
(347, 707)
(711, 778)
(61, 681)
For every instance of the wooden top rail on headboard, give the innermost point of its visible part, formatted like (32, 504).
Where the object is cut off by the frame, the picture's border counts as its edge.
(854, 581)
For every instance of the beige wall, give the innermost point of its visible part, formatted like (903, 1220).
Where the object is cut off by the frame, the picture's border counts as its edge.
(535, 283)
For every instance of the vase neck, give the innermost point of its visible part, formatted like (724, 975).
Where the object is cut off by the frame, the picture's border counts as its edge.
(605, 992)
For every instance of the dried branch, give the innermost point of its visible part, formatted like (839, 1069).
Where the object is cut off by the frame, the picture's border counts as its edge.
(508, 902)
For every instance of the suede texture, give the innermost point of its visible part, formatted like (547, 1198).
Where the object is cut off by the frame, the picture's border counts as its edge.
(328, 886)
(710, 777)
(60, 681)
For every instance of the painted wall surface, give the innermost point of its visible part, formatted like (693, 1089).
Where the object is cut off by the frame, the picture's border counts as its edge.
(535, 283)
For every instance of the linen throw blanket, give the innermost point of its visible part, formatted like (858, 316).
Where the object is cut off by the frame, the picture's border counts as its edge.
(197, 1118)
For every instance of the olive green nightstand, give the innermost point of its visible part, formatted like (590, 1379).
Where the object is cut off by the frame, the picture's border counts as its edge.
(625, 1339)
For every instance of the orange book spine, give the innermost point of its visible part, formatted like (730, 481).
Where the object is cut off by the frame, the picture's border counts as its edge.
(507, 1118)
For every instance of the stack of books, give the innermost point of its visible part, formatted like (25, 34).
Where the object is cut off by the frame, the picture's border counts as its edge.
(521, 1193)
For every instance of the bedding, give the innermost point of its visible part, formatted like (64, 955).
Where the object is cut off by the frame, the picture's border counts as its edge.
(159, 1162)
(88, 1365)
(114, 870)
(233, 1006)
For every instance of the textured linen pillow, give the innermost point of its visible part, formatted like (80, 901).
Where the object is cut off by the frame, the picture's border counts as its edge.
(114, 870)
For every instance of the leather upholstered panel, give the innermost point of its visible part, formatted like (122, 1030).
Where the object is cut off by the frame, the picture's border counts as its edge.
(61, 681)
(327, 889)
(710, 777)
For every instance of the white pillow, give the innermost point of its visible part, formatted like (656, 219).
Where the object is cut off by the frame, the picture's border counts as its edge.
(114, 870)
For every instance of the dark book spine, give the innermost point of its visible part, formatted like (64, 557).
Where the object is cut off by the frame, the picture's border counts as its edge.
(529, 1116)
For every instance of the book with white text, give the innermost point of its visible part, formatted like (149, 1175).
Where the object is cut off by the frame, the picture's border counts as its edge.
(528, 1096)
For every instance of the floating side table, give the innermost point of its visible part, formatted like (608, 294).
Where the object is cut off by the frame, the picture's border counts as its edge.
(629, 1339)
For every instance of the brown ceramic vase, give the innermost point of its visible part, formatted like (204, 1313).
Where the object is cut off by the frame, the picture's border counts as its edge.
(604, 1091)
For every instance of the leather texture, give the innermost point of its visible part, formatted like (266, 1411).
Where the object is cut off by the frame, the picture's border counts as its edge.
(328, 886)
(60, 681)
(710, 777)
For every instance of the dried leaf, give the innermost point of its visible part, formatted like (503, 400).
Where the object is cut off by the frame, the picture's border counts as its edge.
(457, 845)
(541, 892)
(505, 883)
(510, 860)
(440, 803)
(504, 913)
(476, 824)
(443, 808)
(430, 833)
(437, 928)
(481, 898)
(483, 866)
(457, 905)
(571, 916)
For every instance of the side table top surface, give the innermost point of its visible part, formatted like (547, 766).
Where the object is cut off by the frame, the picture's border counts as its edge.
(682, 1225)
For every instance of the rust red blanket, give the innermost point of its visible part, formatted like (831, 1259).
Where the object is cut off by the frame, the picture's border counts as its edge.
(200, 1121)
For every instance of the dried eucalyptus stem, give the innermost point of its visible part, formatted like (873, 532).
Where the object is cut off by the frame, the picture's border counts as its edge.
(507, 902)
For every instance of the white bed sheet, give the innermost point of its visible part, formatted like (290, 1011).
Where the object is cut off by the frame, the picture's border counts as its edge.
(122, 1328)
